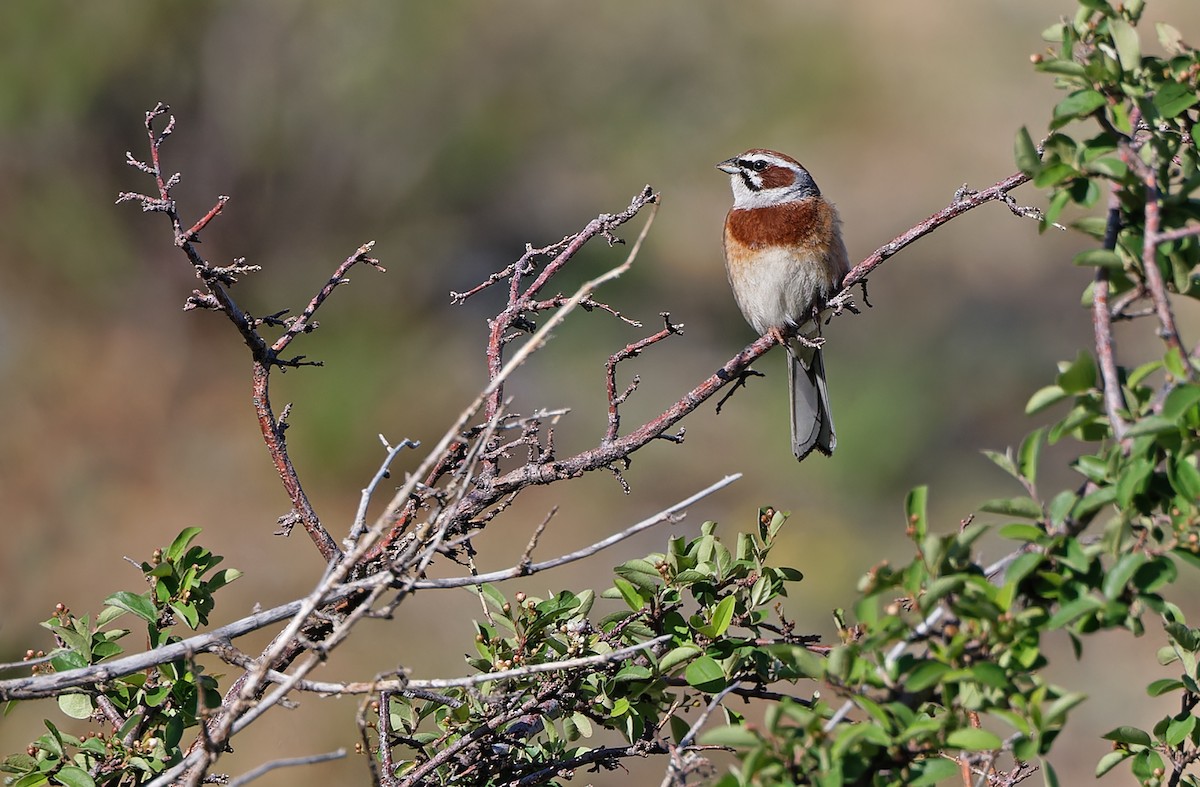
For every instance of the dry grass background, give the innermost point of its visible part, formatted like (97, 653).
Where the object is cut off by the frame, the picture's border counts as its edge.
(452, 134)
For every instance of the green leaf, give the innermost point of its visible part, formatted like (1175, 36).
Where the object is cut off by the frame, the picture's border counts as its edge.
(1119, 575)
(1129, 50)
(642, 573)
(1173, 98)
(629, 593)
(705, 674)
(1054, 173)
(222, 578)
(1147, 765)
(1080, 375)
(1099, 258)
(1013, 506)
(1180, 401)
(1081, 103)
(1022, 532)
(1134, 479)
(1026, 153)
(1170, 39)
(800, 659)
(1062, 67)
(721, 616)
(735, 736)
(973, 739)
(676, 656)
(915, 510)
(1058, 709)
(1179, 729)
(990, 674)
(1185, 477)
(633, 672)
(1049, 776)
(1163, 685)
(179, 546)
(1112, 167)
(1151, 424)
(1130, 736)
(1028, 454)
(1061, 506)
(1045, 397)
(1155, 574)
(54, 741)
(932, 771)
(1112, 760)
(72, 776)
(1073, 610)
(77, 706)
(1004, 461)
(1023, 566)
(925, 675)
(132, 602)
(188, 612)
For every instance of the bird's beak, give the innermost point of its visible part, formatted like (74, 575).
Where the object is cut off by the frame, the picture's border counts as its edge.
(730, 166)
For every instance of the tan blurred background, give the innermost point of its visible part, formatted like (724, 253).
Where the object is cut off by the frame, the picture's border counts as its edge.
(453, 133)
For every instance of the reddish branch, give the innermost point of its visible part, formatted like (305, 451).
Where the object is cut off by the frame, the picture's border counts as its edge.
(266, 356)
(1152, 237)
(517, 316)
(963, 202)
(631, 350)
(491, 488)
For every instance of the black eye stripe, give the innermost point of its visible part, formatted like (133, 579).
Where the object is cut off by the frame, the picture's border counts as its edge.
(758, 165)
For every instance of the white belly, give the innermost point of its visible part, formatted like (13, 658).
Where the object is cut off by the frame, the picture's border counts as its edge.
(779, 288)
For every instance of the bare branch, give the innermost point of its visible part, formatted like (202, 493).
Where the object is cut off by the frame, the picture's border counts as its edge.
(520, 570)
(964, 201)
(290, 762)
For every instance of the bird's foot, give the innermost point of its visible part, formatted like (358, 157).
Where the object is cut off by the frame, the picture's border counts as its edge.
(815, 342)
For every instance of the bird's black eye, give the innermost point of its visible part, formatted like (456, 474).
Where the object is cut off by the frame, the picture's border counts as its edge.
(759, 166)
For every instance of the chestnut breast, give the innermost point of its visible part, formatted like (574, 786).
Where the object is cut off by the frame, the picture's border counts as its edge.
(782, 259)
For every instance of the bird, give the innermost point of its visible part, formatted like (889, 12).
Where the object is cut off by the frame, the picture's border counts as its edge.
(785, 258)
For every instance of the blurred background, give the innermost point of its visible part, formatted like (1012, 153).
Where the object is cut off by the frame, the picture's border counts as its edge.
(452, 134)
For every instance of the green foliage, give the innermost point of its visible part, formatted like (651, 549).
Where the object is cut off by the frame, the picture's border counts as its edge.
(713, 605)
(943, 668)
(151, 709)
(937, 669)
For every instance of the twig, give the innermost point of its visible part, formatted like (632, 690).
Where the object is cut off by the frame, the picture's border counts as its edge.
(387, 776)
(536, 669)
(675, 765)
(524, 569)
(964, 201)
(1151, 239)
(602, 754)
(218, 297)
(533, 344)
(360, 517)
(527, 556)
(1114, 400)
(267, 767)
(631, 350)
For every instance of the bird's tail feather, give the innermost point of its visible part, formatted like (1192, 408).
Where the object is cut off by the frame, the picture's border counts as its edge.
(812, 421)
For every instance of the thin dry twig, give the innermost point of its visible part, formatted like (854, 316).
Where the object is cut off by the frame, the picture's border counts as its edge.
(1114, 399)
(964, 201)
(289, 762)
(631, 350)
